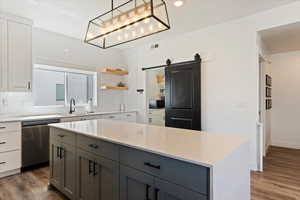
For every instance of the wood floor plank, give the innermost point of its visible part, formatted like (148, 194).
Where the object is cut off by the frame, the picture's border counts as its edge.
(281, 177)
(279, 181)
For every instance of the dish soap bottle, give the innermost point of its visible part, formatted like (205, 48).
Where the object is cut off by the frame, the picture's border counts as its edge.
(89, 107)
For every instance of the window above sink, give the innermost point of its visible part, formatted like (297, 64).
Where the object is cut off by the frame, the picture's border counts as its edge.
(55, 86)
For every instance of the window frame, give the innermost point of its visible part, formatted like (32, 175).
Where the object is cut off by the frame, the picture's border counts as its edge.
(66, 71)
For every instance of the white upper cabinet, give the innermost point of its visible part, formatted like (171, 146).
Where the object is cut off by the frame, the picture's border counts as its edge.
(3, 56)
(19, 56)
(16, 54)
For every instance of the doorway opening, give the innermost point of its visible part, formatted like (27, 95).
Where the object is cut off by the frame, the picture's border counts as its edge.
(279, 86)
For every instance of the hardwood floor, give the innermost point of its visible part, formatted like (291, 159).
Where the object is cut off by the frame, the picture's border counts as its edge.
(279, 181)
(281, 177)
(32, 185)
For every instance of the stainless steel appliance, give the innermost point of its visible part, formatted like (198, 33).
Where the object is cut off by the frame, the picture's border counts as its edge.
(35, 142)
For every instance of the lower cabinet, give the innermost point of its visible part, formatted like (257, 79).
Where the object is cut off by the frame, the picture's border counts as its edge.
(62, 165)
(97, 177)
(169, 191)
(136, 185)
(55, 165)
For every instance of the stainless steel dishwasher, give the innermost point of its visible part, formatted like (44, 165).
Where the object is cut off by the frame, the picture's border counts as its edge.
(35, 142)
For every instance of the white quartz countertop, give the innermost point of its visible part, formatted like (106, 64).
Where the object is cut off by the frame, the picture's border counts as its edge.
(201, 148)
(17, 118)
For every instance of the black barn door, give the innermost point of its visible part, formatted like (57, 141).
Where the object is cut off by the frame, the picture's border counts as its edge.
(183, 95)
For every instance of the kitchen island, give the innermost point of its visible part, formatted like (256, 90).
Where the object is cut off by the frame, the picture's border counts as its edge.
(114, 160)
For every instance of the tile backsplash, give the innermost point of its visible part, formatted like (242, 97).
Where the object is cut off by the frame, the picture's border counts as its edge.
(22, 103)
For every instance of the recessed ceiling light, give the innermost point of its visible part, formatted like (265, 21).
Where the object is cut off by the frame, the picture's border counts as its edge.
(178, 3)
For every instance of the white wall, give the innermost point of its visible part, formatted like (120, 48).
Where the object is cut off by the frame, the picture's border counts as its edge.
(229, 72)
(62, 51)
(286, 97)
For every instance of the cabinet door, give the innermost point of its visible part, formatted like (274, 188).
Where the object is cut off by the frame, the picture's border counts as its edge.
(86, 183)
(169, 191)
(55, 164)
(69, 170)
(106, 174)
(3, 57)
(19, 56)
(135, 185)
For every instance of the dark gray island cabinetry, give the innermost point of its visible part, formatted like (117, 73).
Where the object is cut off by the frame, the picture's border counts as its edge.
(109, 160)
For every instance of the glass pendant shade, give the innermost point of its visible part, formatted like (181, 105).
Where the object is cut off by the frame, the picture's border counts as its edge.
(127, 22)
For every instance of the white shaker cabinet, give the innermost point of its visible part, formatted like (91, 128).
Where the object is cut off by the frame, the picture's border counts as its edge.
(19, 56)
(16, 53)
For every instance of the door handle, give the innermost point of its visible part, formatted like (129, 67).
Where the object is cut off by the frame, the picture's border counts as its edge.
(151, 165)
(2, 127)
(2, 163)
(29, 85)
(2, 142)
(90, 167)
(156, 194)
(61, 152)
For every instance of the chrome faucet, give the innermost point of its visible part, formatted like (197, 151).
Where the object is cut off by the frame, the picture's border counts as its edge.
(72, 102)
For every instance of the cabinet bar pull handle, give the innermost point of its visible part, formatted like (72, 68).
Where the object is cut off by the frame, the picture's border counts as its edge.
(2, 142)
(29, 85)
(57, 152)
(61, 153)
(151, 165)
(90, 167)
(61, 136)
(94, 169)
(156, 194)
(2, 127)
(95, 146)
(2, 163)
(147, 192)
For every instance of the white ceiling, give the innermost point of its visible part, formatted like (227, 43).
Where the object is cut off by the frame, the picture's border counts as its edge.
(70, 17)
(282, 39)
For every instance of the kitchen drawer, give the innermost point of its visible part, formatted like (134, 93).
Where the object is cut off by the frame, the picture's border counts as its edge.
(10, 126)
(112, 117)
(98, 147)
(83, 118)
(10, 161)
(188, 175)
(91, 117)
(10, 141)
(62, 136)
(129, 117)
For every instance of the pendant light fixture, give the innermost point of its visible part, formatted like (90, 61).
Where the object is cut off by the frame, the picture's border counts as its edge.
(127, 22)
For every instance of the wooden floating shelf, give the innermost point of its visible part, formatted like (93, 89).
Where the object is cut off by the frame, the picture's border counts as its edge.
(114, 71)
(107, 87)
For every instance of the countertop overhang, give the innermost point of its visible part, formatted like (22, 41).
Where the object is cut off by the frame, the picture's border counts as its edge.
(196, 147)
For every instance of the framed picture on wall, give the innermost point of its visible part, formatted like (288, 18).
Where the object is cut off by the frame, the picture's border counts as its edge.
(268, 80)
(268, 92)
(268, 104)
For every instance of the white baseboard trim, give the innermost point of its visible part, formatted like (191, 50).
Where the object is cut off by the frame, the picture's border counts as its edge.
(286, 144)
(10, 172)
